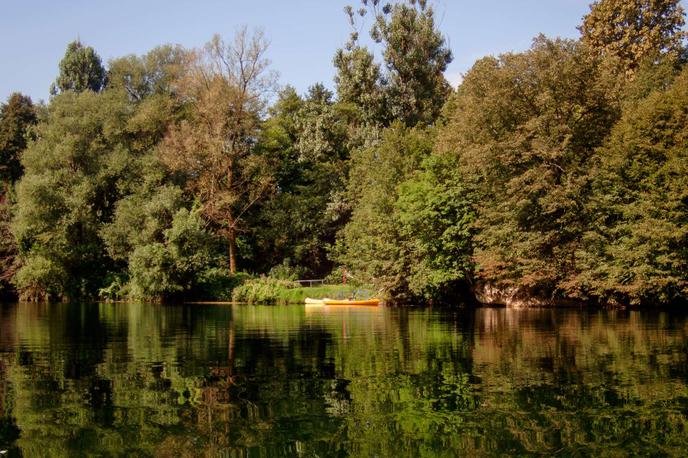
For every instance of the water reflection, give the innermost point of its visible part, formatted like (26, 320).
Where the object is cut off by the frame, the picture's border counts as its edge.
(147, 380)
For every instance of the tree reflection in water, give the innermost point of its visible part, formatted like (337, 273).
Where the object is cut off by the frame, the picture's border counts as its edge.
(148, 380)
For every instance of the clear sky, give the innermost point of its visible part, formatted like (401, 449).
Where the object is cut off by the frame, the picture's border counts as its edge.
(304, 34)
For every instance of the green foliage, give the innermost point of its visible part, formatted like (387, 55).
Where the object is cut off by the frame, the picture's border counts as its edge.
(308, 140)
(164, 246)
(150, 74)
(142, 218)
(91, 150)
(524, 128)
(359, 82)
(371, 245)
(161, 269)
(410, 233)
(413, 88)
(72, 177)
(16, 118)
(215, 284)
(8, 248)
(41, 278)
(287, 271)
(268, 290)
(80, 70)
(436, 218)
(416, 56)
(376, 245)
(264, 290)
(637, 250)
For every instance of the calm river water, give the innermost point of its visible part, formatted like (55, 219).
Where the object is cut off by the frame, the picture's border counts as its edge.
(235, 381)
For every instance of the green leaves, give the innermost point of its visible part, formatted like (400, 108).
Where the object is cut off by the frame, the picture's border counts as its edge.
(160, 269)
(523, 129)
(412, 88)
(435, 217)
(410, 231)
(91, 150)
(16, 118)
(68, 190)
(80, 70)
(638, 250)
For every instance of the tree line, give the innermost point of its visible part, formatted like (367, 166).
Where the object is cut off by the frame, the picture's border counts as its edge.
(557, 173)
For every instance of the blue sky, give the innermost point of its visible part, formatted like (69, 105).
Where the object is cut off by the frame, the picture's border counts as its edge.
(304, 34)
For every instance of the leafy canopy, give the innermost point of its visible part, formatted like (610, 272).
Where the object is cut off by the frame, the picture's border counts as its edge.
(633, 30)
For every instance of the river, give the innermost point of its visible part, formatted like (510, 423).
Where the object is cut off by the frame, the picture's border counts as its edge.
(244, 381)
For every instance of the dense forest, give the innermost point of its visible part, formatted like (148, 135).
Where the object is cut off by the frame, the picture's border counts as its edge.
(552, 175)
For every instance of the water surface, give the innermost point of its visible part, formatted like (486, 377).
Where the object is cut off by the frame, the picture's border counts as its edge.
(235, 381)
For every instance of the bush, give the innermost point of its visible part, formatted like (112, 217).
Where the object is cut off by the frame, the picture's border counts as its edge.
(264, 289)
(117, 287)
(40, 279)
(267, 290)
(217, 284)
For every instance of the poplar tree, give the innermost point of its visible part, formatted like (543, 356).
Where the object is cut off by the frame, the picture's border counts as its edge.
(409, 85)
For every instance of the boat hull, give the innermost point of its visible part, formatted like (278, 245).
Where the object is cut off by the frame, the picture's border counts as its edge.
(310, 301)
(349, 302)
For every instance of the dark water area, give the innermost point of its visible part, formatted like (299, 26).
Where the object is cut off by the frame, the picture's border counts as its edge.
(235, 381)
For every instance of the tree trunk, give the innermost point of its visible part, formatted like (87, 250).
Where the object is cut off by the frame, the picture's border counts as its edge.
(232, 252)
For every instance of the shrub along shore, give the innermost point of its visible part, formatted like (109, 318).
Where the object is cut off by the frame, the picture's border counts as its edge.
(270, 291)
(555, 175)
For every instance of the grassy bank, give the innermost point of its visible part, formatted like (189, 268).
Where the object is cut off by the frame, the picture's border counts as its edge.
(270, 291)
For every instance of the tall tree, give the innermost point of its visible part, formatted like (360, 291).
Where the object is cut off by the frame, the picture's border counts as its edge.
(358, 82)
(90, 151)
(416, 56)
(225, 85)
(308, 141)
(435, 219)
(80, 70)
(73, 176)
(17, 116)
(636, 250)
(371, 245)
(632, 30)
(398, 99)
(524, 128)
(412, 87)
(410, 232)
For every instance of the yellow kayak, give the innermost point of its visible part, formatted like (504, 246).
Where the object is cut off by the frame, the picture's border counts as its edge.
(373, 301)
